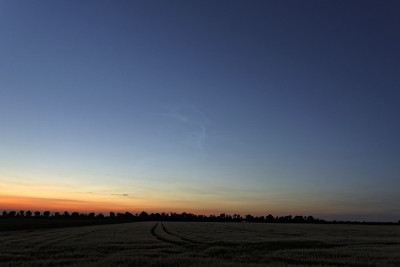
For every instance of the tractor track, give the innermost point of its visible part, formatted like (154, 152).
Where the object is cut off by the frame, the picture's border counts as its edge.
(182, 242)
(180, 237)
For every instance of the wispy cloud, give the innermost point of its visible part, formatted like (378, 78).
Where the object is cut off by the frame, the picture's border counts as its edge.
(192, 123)
(176, 116)
(121, 195)
(108, 194)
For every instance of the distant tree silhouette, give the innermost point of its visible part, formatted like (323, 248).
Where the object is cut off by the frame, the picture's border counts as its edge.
(237, 217)
(143, 214)
(249, 218)
(269, 218)
(91, 218)
(260, 219)
(298, 219)
(12, 214)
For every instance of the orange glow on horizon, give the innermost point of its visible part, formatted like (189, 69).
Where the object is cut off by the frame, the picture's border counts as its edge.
(17, 203)
(47, 197)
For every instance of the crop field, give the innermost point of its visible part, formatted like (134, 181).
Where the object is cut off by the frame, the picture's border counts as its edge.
(204, 244)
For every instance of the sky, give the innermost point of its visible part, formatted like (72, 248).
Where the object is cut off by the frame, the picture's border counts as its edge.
(208, 107)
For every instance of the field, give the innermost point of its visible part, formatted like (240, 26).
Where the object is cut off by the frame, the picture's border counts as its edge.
(204, 244)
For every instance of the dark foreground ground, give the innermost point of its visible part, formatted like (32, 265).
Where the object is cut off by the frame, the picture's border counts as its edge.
(204, 244)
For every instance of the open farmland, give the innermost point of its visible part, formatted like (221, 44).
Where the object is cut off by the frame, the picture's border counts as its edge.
(200, 244)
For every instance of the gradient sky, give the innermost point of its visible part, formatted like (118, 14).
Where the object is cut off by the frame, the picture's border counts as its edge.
(282, 107)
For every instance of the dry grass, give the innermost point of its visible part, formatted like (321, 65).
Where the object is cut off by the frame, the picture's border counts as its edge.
(200, 244)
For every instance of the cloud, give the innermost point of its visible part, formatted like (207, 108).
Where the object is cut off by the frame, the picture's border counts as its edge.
(175, 116)
(187, 124)
(108, 194)
(198, 138)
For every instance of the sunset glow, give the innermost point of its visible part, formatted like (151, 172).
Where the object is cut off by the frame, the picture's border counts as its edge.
(250, 107)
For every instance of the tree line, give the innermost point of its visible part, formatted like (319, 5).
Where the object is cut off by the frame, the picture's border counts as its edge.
(172, 216)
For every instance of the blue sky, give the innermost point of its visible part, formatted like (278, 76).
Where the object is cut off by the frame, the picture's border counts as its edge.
(257, 107)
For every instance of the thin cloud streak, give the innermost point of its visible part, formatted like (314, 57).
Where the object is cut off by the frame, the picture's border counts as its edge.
(192, 125)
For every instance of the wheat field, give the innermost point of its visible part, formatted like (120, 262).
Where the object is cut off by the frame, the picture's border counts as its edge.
(204, 244)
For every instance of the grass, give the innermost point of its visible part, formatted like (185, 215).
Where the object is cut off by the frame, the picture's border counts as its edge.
(203, 244)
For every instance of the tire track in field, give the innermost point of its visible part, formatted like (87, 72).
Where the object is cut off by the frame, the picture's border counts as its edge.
(192, 246)
(183, 244)
(194, 242)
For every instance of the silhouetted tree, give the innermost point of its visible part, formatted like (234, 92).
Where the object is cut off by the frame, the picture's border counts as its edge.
(66, 214)
(91, 215)
(310, 219)
(143, 214)
(112, 214)
(237, 217)
(37, 213)
(269, 218)
(46, 213)
(298, 219)
(12, 214)
(22, 213)
(28, 213)
(57, 214)
(249, 218)
(5, 213)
